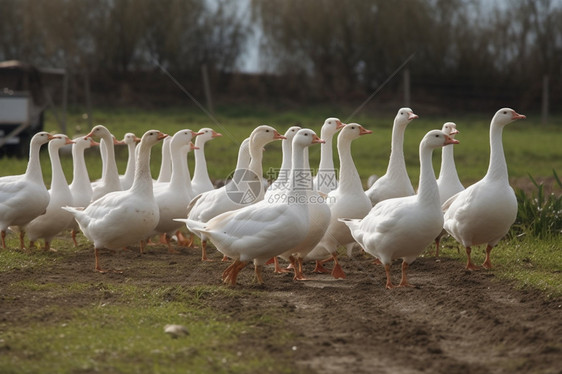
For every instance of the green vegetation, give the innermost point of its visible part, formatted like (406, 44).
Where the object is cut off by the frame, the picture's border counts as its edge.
(119, 327)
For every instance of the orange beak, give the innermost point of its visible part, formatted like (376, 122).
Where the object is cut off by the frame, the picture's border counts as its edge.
(69, 141)
(364, 131)
(518, 116)
(278, 136)
(162, 136)
(412, 116)
(192, 146)
(449, 140)
(340, 125)
(216, 134)
(316, 139)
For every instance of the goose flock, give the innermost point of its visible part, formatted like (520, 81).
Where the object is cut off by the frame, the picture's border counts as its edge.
(301, 216)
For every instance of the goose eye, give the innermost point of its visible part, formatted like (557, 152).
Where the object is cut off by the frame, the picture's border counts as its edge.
(504, 112)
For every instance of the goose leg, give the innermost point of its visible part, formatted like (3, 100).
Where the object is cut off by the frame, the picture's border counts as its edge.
(470, 265)
(337, 271)
(204, 251)
(278, 269)
(257, 270)
(22, 243)
(487, 263)
(389, 284)
(320, 267)
(299, 275)
(3, 239)
(73, 235)
(231, 273)
(437, 243)
(404, 280)
(98, 268)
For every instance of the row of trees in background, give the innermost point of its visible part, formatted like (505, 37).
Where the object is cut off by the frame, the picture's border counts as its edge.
(471, 54)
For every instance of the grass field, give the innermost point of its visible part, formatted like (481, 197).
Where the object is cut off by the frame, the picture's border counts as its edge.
(59, 316)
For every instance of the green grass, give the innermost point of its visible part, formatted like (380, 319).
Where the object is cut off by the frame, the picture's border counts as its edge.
(121, 330)
(528, 262)
(526, 142)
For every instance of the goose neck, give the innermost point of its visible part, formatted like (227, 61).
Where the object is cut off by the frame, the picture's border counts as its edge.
(396, 163)
(142, 184)
(497, 168)
(300, 177)
(428, 191)
(326, 153)
(58, 180)
(200, 161)
(180, 170)
(34, 171)
(110, 167)
(130, 168)
(79, 170)
(448, 169)
(349, 179)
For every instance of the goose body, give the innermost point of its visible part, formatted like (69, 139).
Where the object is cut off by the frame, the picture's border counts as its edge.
(201, 181)
(395, 182)
(484, 212)
(80, 188)
(326, 176)
(262, 230)
(121, 218)
(110, 176)
(242, 191)
(24, 197)
(55, 219)
(347, 200)
(173, 197)
(403, 227)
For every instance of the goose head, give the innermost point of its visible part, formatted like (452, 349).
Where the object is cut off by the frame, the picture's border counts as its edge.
(152, 137)
(100, 131)
(436, 139)
(59, 141)
(183, 138)
(291, 132)
(404, 116)
(306, 137)
(81, 143)
(450, 128)
(130, 138)
(263, 135)
(42, 137)
(330, 127)
(353, 131)
(505, 116)
(206, 134)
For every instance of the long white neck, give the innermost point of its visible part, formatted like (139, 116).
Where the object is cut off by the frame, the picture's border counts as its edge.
(243, 160)
(165, 166)
(326, 151)
(497, 169)
(300, 176)
(428, 192)
(448, 171)
(349, 177)
(142, 183)
(130, 170)
(111, 173)
(80, 179)
(181, 177)
(200, 174)
(287, 149)
(396, 164)
(58, 180)
(33, 171)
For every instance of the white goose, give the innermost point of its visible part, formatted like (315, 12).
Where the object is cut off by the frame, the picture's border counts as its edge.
(348, 200)
(484, 211)
(325, 179)
(55, 220)
(280, 185)
(121, 218)
(201, 181)
(263, 230)
(24, 197)
(110, 176)
(244, 189)
(395, 183)
(166, 163)
(173, 197)
(403, 227)
(80, 188)
(319, 219)
(448, 181)
(126, 179)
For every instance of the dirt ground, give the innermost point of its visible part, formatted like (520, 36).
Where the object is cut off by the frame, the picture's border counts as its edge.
(453, 321)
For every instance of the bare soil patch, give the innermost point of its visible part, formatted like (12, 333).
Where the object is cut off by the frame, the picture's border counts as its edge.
(453, 321)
